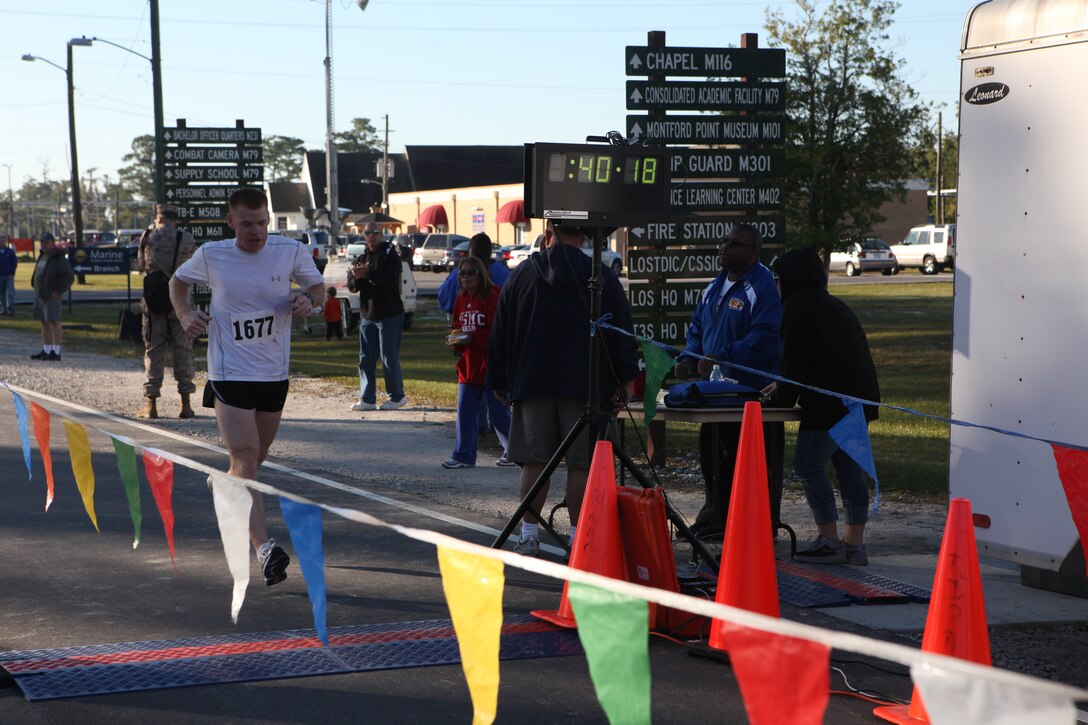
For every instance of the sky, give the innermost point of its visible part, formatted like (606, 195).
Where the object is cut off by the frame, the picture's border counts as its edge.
(444, 71)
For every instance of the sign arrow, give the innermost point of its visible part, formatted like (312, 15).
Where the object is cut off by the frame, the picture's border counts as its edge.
(636, 134)
(637, 231)
(80, 269)
(636, 98)
(635, 62)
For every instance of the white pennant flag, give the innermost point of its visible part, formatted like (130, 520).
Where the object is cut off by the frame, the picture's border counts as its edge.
(232, 505)
(956, 700)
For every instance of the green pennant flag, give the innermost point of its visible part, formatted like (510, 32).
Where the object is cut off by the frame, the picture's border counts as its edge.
(658, 364)
(126, 464)
(615, 633)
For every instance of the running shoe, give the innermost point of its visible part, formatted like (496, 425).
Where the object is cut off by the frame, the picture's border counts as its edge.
(273, 560)
(360, 406)
(505, 461)
(454, 463)
(528, 547)
(394, 404)
(856, 555)
(823, 551)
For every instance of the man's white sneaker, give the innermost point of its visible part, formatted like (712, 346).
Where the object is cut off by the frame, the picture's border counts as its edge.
(394, 404)
(529, 547)
(361, 406)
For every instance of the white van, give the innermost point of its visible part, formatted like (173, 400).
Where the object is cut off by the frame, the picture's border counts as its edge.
(930, 248)
(336, 275)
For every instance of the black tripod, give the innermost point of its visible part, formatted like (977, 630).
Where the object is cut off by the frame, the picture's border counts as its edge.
(595, 416)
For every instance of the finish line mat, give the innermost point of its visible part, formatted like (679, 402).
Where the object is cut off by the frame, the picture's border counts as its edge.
(51, 674)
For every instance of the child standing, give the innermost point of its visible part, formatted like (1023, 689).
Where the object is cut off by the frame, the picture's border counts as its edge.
(331, 313)
(473, 315)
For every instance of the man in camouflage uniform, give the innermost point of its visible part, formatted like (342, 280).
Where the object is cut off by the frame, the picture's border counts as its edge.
(160, 331)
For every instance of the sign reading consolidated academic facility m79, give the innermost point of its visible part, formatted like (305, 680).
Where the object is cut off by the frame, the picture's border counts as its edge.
(693, 96)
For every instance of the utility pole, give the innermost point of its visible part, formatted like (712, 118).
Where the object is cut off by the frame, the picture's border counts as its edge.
(156, 85)
(385, 168)
(939, 216)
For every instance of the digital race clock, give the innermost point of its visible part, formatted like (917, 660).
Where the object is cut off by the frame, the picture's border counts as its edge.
(596, 184)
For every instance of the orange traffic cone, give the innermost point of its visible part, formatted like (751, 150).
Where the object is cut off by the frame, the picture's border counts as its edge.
(598, 544)
(956, 621)
(747, 577)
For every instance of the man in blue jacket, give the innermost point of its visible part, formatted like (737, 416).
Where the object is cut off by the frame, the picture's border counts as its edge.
(538, 359)
(738, 320)
(9, 262)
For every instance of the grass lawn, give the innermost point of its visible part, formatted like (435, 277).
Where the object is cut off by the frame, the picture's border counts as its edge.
(909, 328)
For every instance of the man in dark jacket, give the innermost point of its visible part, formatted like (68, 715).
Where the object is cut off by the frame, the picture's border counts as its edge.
(538, 359)
(53, 276)
(824, 345)
(376, 277)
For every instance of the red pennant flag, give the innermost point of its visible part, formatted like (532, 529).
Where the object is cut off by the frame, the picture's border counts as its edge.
(759, 658)
(160, 476)
(41, 433)
(1073, 471)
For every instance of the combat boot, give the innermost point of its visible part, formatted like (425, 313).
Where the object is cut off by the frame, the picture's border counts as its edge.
(186, 409)
(150, 410)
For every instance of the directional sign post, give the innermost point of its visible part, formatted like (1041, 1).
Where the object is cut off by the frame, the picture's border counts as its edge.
(215, 155)
(95, 260)
(728, 196)
(184, 175)
(707, 129)
(726, 163)
(704, 230)
(236, 135)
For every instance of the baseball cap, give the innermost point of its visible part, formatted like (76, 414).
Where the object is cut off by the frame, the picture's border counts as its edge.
(47, 237)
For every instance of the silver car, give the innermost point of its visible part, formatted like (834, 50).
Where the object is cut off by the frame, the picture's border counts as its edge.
(868, 255)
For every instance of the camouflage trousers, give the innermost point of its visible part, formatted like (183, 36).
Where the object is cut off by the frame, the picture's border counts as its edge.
(161, 332)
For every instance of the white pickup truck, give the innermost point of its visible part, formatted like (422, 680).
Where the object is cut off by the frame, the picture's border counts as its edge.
(930, 248)
(608, 257)
(336, 275)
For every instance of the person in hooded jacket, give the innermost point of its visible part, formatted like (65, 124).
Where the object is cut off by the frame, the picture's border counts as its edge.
(538, 359)
(824, 346)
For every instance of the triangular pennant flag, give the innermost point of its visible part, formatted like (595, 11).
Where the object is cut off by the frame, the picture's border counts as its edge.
(959, 700)
(615, 633)
(658, 364)
(1073, 472)
(40, 417)
(851, 433)
(474, 586)
(759, 658)
(304, 525)
(160, 477)
(79, 448)
(20, 417)
(232, 506)
(126, 466)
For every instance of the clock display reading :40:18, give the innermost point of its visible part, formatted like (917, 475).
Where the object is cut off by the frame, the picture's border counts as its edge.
(602, 169)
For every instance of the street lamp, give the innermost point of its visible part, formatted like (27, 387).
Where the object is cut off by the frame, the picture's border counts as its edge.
(332, 188)
(156, 87)
(77, 201)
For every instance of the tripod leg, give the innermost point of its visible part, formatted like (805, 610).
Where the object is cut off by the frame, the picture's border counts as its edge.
(674, 516)
(549, 469)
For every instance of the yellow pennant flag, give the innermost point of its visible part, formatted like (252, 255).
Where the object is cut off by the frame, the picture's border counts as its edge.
(79, 448)
(473, 586)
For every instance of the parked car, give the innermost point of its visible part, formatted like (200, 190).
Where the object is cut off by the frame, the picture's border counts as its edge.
(868, 255)
(408, 243)
(316, 240)
(336, 275)
(428, 255)
(452, 257)
(94, 238)
(929, 247)
(608, 257)
(504, 254)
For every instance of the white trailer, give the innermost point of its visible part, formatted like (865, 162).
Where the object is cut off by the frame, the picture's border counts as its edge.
(1020, 311)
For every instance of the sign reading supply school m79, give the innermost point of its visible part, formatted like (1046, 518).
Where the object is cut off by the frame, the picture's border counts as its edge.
(184, 175)
(694, 96)
(710, 62)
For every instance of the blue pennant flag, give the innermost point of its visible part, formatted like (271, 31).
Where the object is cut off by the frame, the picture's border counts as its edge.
(852, 435)
(20, 415)
(304, 525)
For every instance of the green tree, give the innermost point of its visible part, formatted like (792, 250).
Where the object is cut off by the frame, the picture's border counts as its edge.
(925, 165)
(362, 137)
(138, 177)
(853, 121)
(283, 157)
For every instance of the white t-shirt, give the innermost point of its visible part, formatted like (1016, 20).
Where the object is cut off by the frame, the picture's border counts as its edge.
(249, 336)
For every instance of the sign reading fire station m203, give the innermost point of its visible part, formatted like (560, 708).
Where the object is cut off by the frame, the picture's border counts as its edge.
(643, 60)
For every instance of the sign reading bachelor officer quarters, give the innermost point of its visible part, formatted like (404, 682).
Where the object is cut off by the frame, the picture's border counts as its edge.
(184, 134)
(712, 62)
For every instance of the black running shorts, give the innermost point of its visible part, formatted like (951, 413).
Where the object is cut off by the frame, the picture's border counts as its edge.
(267, 397)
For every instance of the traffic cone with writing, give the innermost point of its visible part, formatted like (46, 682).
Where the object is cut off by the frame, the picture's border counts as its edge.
(956, 621)
(747, 577)
(597, 545)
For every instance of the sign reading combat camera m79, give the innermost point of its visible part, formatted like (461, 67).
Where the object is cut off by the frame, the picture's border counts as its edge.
(596, 184)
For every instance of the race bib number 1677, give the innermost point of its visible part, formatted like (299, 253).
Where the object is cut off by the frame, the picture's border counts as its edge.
(252, 328)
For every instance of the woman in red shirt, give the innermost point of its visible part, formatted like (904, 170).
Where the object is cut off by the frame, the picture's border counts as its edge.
(473, 316)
